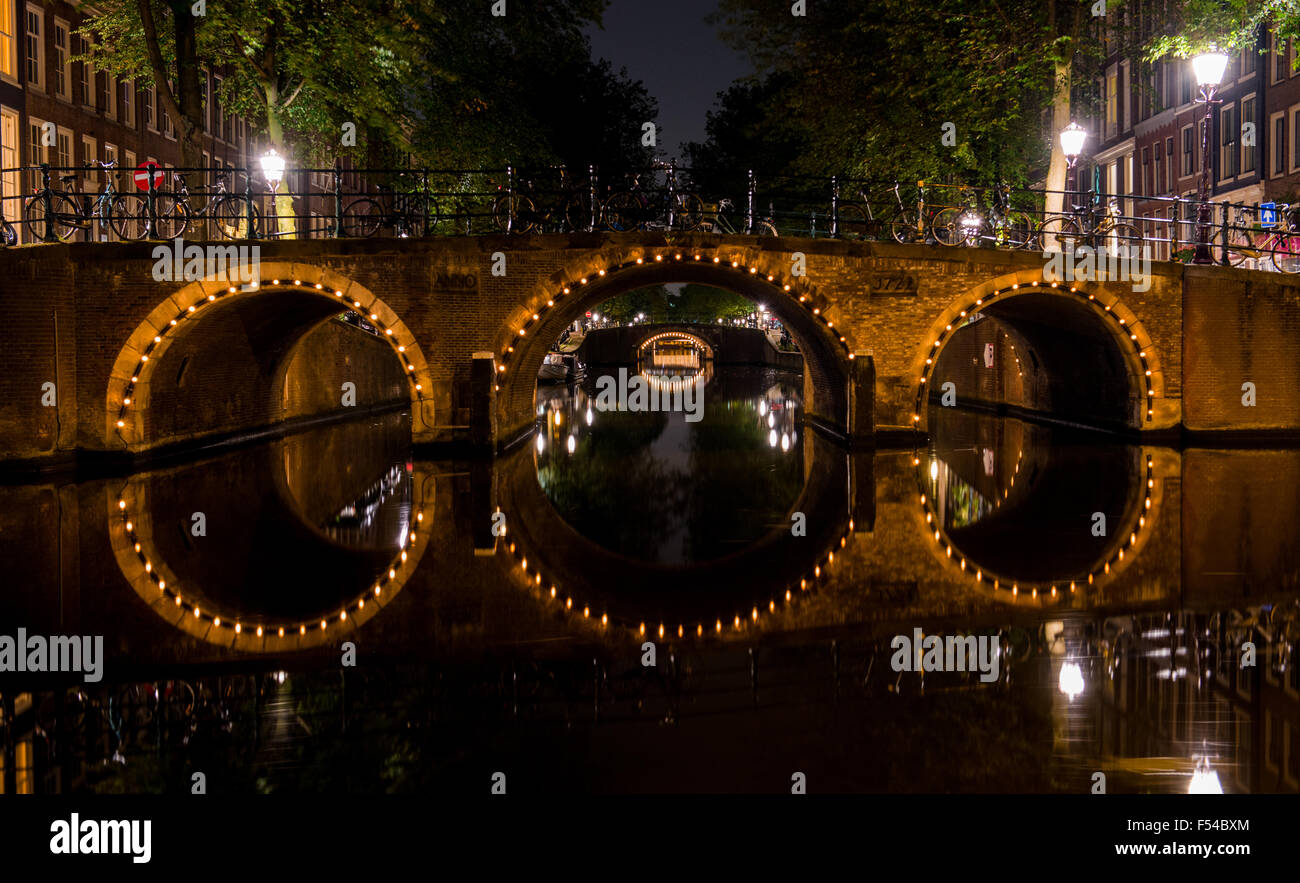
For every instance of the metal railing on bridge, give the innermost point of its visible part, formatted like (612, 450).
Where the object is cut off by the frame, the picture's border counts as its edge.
(105, 203)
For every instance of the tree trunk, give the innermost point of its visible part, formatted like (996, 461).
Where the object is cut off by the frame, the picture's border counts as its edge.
(285, 221)
(1056, 170)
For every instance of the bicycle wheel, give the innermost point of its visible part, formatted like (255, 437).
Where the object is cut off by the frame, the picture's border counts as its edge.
(622, 212)
(689, 211)
(905, 226)
(1242, 246)
(362, 218)
(852, 222)
(1017, 231)
(417, 217)
(946, 227)
(230, 215)
(1120, 240)
(172, 216)
(67, 217)
(1285, 255)
(577, 213)
(516, 217)
(128, 216)
(8, 235)
(1059, 233)
(765, 228)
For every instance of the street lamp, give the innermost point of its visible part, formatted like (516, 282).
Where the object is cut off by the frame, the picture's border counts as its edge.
(1072, 137)
(1209, 68)
(273, 171)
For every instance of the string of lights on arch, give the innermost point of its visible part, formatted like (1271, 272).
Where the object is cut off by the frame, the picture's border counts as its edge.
(779, 284)
(934, 527)
(392, 579)
(399, 346)
(532, 579)
(1123, 326)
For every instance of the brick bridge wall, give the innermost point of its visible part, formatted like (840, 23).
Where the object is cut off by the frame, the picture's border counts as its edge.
(85, 315)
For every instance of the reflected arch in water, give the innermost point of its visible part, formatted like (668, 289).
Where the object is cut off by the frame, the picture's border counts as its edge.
(1033, 308)
(133, 533)
(1002, 533)
(615, 593)
(751, 273)
(278, 311)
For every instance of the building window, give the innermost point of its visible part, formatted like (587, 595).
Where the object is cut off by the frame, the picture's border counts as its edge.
(108, 94)
(206, 104)
(1279, 143)
(1295, 137)
(1189, 151)
(10, 186)
(64, 157)
(35, 48)
(1279, 59)
(128, 103)
(1169, 165)
(1248, 119)
(1230, 135)
(1159, 169)
(87, 76)
(1147, 188)
(1249, 60)
(62, 69)
(8, 41)
(147, 108)
(37, 150)
(1111, 99)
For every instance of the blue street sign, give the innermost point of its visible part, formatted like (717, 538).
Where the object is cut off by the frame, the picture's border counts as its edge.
(1268, 214)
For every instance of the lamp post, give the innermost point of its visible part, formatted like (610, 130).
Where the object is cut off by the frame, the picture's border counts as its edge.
(1208, 67)
(273, 171)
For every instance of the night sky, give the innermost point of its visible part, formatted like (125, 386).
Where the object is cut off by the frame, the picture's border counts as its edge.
(668, 46)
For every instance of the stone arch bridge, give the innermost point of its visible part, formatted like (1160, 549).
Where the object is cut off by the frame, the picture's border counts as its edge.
(102, 358)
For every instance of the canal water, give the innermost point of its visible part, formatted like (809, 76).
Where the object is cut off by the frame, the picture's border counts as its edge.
(445, 619)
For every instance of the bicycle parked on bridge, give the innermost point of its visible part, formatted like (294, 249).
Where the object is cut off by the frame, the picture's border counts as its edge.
(406, 213)
(69, 210)
(859, 220)
(966, 224)
(223, 213)
(1101, 229)
(653, 208)
(8, 235)
(1277, 246)
(717, 221)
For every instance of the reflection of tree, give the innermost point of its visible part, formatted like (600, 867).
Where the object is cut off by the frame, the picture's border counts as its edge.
(608, 479)
(742, 486)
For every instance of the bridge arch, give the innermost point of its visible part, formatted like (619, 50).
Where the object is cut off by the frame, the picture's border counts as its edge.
(652, 337)
(758, 275)
(1012, 298)
(290, 300)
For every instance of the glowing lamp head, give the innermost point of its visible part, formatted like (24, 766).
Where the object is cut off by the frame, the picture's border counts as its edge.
(1209, 68)
(1072, 137)
(1204, 779)
(272, 167)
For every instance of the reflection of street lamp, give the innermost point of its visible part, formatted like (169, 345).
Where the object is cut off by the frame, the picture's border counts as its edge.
(1208, 67)
(1071, 681)
(1204, 779)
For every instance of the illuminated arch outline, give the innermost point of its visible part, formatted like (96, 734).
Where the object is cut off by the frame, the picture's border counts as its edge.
(778, 284)
(128, 385)
(1140, 352)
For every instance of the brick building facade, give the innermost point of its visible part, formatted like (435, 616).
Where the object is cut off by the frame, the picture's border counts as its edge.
(96, 117)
